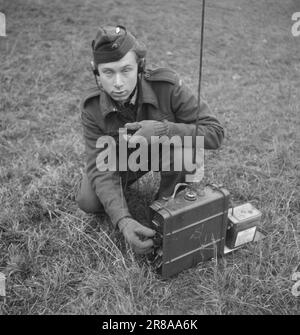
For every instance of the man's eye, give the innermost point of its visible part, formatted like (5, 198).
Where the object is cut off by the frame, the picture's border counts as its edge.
(127, 70)
(108, 72)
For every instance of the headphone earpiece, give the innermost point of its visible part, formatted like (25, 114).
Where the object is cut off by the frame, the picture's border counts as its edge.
(141, 65)
(94, 69)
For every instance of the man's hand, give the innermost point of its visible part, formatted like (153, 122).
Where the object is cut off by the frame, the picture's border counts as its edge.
(132, 231)
(146, 129)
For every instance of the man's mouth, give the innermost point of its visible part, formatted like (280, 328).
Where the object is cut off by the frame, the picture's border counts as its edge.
(119, 94)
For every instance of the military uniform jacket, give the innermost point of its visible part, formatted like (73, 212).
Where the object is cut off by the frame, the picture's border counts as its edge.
(161, 96)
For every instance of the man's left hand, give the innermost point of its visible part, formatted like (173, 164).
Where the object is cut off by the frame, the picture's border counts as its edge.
(146, 129)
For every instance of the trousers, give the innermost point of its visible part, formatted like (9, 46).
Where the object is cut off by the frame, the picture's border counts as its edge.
(89, 202)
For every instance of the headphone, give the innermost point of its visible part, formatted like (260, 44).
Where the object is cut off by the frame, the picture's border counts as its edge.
(141, 67)
(141, 62)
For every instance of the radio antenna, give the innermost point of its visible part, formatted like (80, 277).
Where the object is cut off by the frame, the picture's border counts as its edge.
(201, 56)
(199, 81)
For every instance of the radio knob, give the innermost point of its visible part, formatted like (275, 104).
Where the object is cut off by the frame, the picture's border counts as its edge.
(190, 195)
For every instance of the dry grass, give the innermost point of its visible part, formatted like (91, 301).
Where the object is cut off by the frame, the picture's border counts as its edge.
(59, 260)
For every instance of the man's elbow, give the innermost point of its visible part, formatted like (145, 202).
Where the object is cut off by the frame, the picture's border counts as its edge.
(215, 140)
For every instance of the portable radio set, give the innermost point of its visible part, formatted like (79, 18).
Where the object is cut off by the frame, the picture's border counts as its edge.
(197, 225)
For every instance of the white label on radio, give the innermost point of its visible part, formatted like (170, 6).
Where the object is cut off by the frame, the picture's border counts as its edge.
(245, 236)
(243, 212)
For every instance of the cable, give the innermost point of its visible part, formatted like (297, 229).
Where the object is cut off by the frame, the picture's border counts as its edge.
(97, 82)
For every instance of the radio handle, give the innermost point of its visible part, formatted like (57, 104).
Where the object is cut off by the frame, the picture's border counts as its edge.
(175, 191)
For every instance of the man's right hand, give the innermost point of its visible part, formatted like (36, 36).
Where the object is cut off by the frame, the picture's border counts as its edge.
(133, 231)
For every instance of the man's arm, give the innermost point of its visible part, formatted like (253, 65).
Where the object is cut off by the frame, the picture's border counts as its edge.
(184, 106)
(107, 185)
(108, 188)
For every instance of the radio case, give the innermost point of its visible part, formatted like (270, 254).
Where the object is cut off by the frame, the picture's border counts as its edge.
(191, 230)
(243, 221)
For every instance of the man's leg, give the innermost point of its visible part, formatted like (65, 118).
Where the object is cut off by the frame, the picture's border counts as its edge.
(87, 198)
(169, 179)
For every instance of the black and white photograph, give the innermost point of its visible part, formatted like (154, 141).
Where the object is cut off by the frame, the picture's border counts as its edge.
(149, 160)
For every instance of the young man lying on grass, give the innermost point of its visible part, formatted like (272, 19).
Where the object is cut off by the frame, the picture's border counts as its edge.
(146, 102)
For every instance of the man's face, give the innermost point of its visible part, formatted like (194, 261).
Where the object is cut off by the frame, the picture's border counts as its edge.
(119, 78)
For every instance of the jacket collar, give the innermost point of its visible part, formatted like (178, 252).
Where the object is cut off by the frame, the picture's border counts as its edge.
(146, 95)
(106, 104)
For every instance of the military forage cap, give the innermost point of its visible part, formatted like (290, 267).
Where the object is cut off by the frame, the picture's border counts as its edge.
(111, 44)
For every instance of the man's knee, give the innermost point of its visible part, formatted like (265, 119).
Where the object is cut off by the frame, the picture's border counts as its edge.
(87, 199)
(82, 203)
(89, 206)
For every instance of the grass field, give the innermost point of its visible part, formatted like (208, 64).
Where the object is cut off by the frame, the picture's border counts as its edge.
(59, 260)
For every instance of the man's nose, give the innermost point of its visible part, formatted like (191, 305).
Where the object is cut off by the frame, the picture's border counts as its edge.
(118, 81)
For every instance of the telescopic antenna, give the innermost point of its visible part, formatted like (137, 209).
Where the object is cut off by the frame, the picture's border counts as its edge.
(200, 78)
(201, 56)
(193, 185)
